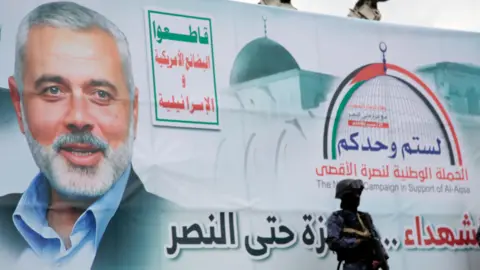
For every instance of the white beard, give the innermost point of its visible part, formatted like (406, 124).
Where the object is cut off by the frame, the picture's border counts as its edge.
(81, 182)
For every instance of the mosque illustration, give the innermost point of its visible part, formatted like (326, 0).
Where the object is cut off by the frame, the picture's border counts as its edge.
(457, 83)
(270, 103)
(276, 100)
(265, 70)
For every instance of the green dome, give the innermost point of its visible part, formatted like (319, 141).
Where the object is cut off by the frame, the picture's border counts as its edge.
(260, 58)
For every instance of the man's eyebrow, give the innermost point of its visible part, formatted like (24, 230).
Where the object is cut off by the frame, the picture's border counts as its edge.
(50, 79)
(102, 83)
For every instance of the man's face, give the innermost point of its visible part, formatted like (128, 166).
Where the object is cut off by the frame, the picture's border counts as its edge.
(356, 198)
(352, 199)
(77, 113)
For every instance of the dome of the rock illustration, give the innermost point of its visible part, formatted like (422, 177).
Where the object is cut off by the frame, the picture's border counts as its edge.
(397, 113)
(260, 58)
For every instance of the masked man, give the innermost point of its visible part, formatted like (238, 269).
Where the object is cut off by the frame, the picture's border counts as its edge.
(351, 233)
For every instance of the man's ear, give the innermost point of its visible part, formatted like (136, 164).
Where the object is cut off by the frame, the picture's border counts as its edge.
(16, 100)
(135, 112)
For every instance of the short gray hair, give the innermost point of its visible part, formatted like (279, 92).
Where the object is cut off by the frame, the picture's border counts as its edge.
(75, 17)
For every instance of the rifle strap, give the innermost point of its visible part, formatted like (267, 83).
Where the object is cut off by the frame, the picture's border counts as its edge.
(365, 231)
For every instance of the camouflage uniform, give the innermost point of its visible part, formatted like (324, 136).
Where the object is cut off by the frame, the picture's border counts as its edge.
(345, 227)
(373, 3)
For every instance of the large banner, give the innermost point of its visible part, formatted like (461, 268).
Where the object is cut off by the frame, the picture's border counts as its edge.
(161, 134)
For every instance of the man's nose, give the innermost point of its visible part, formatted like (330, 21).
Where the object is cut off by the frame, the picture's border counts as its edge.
(78, 118)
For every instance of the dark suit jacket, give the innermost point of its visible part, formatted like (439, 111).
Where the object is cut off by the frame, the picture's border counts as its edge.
(128, 241)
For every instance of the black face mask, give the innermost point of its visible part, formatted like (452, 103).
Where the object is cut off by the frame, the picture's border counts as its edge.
(351, 201)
